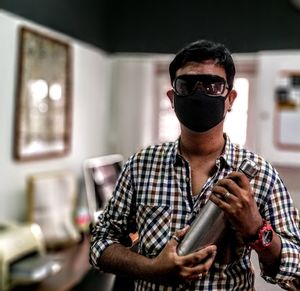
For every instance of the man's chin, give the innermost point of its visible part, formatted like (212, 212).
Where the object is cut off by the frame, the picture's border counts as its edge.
(198, 133)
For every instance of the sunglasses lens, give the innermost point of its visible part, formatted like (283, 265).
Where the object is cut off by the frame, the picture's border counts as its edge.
(215, 88)
(209, 84)
(184, 87)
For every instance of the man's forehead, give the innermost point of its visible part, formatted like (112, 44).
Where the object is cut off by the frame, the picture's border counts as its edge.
(201, 67)
(213, 62)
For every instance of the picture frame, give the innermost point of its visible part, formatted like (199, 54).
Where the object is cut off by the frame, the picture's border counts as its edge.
(43, 108)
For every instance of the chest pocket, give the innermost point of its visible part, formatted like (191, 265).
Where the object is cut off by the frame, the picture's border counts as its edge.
(153, 227)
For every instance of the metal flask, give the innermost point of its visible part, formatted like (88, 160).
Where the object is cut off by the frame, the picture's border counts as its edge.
(210, 224)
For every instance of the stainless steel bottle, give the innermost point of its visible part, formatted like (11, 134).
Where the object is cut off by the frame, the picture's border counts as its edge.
(210, 224)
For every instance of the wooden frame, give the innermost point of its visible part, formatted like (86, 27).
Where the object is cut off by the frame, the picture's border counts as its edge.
(43, 97)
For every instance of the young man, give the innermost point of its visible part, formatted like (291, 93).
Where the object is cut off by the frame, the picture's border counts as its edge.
(162, 189)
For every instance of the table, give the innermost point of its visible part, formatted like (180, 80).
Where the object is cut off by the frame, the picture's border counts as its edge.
(75, 261)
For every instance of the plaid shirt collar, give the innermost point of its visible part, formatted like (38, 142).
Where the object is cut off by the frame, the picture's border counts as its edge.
(227, 159)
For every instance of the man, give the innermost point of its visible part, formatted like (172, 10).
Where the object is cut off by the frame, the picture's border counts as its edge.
(162, 188)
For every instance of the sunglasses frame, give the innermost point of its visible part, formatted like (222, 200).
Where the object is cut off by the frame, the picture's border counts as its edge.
(198, 78)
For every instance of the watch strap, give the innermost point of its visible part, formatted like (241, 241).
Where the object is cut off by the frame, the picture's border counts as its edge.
(259, 243)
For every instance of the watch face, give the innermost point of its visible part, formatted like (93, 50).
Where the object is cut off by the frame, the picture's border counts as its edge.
(267, 237)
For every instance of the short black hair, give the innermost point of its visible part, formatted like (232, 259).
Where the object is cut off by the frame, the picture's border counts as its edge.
(202, 50)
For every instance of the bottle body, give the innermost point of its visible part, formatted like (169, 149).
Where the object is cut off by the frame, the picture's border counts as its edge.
(207, 228)
(210, 224)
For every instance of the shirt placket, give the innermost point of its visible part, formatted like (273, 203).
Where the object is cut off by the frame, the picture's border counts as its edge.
(205, 191)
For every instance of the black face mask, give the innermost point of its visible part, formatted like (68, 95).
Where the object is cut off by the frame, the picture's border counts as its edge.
(199, 112)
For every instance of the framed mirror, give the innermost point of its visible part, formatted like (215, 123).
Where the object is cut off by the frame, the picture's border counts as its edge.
(43, 97)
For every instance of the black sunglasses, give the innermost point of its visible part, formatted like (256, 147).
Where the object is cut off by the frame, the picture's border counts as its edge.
(211, 85)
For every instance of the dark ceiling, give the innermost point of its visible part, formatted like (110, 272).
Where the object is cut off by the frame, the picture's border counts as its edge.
(164, 26)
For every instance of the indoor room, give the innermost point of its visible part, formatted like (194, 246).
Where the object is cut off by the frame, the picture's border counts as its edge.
(84, 87)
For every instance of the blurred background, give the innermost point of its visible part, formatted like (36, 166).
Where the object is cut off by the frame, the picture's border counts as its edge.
(113, 92)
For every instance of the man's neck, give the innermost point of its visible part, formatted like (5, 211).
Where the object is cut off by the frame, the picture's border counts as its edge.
(207, 145)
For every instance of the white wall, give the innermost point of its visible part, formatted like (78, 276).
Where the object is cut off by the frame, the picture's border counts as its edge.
(134, 105)
(89, 122)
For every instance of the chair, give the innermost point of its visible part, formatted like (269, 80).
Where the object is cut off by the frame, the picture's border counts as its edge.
(51, 202)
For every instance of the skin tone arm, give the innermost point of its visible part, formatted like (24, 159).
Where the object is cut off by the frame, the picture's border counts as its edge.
(167, 267)
(241, 209)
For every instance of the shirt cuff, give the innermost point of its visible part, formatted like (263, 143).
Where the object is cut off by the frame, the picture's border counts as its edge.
(96, 250)
(289, 264)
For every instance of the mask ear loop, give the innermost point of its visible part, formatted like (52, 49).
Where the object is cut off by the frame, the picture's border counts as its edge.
(229, 90)
(172, 103)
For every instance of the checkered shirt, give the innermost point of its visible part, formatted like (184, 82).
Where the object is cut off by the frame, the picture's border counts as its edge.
(153, 195)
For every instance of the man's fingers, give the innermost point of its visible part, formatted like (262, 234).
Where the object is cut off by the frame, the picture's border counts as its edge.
(200, 256)
(179, 234)
(223, 193)
(200, 269)
(176, 238)
(206, 253)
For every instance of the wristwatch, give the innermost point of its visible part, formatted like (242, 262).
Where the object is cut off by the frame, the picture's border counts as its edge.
(263, 237)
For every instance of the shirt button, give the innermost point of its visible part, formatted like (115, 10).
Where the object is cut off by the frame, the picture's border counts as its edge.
(187, 179)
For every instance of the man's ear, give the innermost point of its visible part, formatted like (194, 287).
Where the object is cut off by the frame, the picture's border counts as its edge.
(170, 94)
(231, 97)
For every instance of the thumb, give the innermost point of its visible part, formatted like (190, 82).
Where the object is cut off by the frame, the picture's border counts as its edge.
(179, 234)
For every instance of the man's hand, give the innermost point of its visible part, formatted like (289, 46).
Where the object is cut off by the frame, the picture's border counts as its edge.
(234, 195)
(171, 267)
(167, 268)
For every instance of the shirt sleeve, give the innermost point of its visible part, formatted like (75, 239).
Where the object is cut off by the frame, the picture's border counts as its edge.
(284, 217)
(116, 222)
